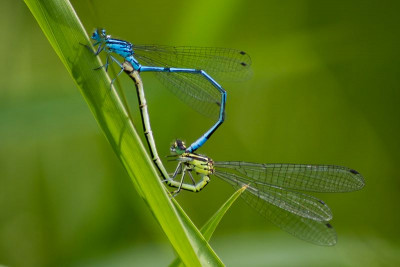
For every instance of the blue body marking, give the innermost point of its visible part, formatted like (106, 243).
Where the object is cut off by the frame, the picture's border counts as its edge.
(125, 50)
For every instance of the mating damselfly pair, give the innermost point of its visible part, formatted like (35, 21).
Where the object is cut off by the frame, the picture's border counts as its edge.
(274, 190)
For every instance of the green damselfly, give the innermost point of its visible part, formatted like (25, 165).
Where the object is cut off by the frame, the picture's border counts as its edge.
(276, 191)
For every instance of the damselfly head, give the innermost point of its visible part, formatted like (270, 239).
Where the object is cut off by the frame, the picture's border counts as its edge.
(178, 147)
(96, 35)
(99, 35)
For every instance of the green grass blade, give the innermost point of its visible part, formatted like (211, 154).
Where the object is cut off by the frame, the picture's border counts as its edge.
(209, 227)
(64, 31)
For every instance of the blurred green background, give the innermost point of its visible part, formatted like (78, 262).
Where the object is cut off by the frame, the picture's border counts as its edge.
(325, 90)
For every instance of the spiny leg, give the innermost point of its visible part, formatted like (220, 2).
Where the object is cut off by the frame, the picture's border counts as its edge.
(177, 171)
(105, 66)
(175, 193)
(100, 48)
(191, 177)
(120, 65)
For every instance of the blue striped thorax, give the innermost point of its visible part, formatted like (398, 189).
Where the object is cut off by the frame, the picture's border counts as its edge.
(120, 47)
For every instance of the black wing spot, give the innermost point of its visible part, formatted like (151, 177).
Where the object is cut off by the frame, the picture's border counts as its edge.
(242, 53)
(243, 64)
(329, 225)
(218, 103)
(354, 171)
(320, 201)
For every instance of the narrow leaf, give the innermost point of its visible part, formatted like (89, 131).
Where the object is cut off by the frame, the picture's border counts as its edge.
(65, 32)
(209, 227)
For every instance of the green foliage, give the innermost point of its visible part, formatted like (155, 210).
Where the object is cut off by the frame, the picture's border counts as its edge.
(209, 227)
(65, 33)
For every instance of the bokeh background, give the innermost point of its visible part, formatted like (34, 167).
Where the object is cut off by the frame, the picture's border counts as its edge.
(325, 90)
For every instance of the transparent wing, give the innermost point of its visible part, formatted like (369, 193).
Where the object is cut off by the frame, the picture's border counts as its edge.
(314, 178)
(294, 202)
(317, 232)
(220, 63)
(193, 89)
